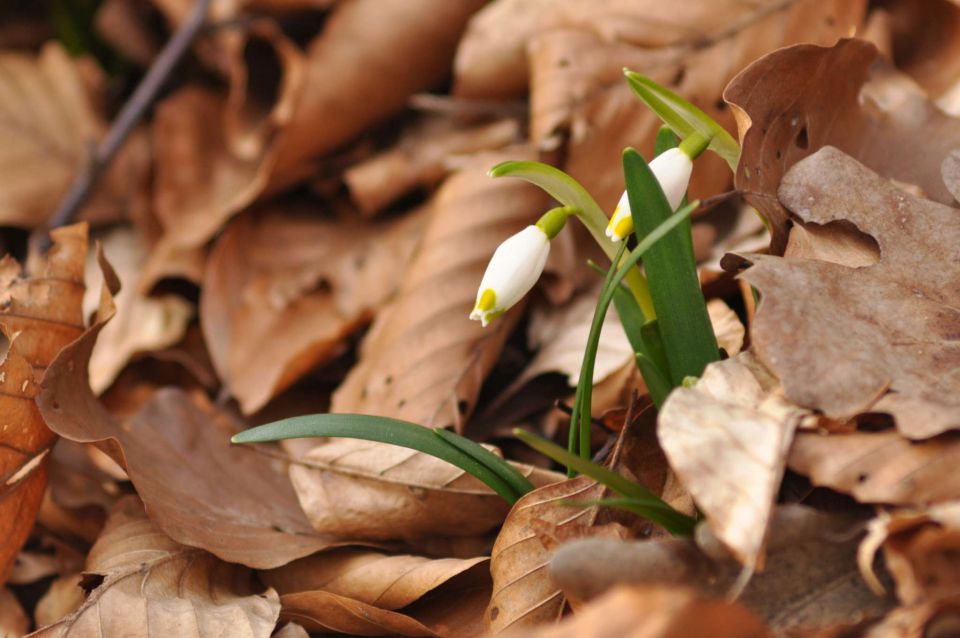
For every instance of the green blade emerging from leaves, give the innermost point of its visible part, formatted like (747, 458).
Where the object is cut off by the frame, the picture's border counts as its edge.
(485, 457)
(655, 508)
(684, 118)
(394, 432)
(682, 318)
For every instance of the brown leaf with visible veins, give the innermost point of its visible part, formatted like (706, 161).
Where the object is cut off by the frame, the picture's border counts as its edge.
(40, 312)
(792, 102)
(655, 612)
(176, 450)
(423, 360)
(881, 467)
(142, 583)
(269, 316)
(370, 490)
(882, 338)
(811, 580)
(727, 438)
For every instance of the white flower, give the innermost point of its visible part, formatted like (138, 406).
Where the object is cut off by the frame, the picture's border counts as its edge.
(513, 270)
(672, 169)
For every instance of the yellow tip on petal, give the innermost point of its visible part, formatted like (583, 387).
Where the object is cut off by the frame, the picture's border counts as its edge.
(623, 227)
(486, 301)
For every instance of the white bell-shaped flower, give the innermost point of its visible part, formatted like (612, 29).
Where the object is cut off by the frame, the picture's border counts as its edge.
(672, 169)
(515, 267)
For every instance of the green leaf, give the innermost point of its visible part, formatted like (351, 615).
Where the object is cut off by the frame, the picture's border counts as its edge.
(636, 506)
(682, 318)
(657, 510)
(658, 385)
(666, 139)
(520, 484)
(385, 430)
(683, 117)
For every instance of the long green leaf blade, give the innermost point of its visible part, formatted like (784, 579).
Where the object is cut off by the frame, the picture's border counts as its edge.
(382, 430)
(683, 117)
(520, 484)
(660, 512)
(682, 317)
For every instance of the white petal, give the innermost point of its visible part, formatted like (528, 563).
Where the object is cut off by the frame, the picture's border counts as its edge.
(672, 169)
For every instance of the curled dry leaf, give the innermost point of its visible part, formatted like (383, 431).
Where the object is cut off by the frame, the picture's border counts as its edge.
(422, 360)
(321, 611)
(881, 467)
(142, 323)
(142, 583)
(40, 312)
(811, 580)
(48, 123)
(694, 49)
(354, 77)
(270, 316)
(655, 612)
(727, 438)
(881, 338)
(364, 489)
(421, 158)
(920, 552)
(792, 102)
(177, 452)
(523, 593)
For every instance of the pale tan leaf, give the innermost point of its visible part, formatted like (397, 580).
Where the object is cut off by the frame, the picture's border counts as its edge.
(142, 323)
(792, 102)
(14, 623)
(382, 580)
(40, 312)
(150, 585)
(654, 612)
(269, 316)
(364, 489)
(64, 597)
(881, 467)
(422, 360)
(726, 325)
(727, 438)
(880, 338)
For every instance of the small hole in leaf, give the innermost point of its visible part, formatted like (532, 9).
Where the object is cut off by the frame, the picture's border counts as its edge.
(802, 140)
(862, 478)
(494, 613)
(779, 154)
(720, 104)
(463, 406)
(55, 404)
(388, 380)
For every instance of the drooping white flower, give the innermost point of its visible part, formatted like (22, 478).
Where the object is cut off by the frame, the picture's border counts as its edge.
(672, 169)
(515, 267)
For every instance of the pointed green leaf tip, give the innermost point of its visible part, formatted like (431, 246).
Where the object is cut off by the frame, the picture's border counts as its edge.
(683, 117)
(470, 457)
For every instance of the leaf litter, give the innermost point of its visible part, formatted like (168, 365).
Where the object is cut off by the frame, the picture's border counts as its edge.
(298, 227)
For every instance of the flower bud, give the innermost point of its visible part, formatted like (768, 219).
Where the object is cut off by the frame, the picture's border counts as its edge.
(515, 267)
(672, 169)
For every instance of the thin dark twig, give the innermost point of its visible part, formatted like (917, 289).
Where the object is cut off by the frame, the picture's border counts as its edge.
(131, 113)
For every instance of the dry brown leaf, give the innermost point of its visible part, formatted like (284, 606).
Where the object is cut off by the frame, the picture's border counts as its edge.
(693, 48)
(811, 578)
(364, 489)
(655, 612)
(14, 623)
(354, 77)
(40, 312)
(727, 438)
(881, 467)
(421, 158)
(920, 552)
(382, 580)
(269, 316)
(48, 124)
(320, 611)
(177, 452)
(142, 323)
(422, 360)
(64, 597)
(523, 592)
(880, 338)
(792, 102)
(441, 594)
(142, 583)
(199, 183)
(930, 620)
